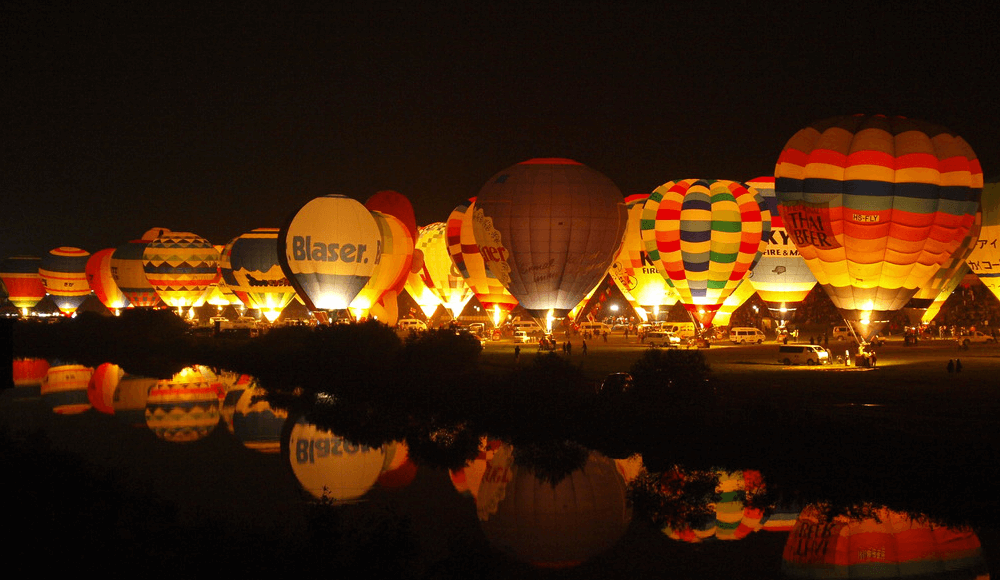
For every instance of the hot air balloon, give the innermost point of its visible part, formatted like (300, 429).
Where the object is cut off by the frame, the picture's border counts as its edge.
(183, 408)
(256, 423)
(182, 267)
(945, 280)
(549, 229)
(65, 388)
(329, 250)
(390, 274)
(552, 525)
(467, 479)
(875, 205)
(127, 271)
(437, 271)
(233, 391)
(984, 259)
(635, 274)
(887, 544)
(704, 236)
(102, 385)
(251, 270)
(329, 466)
(100, 280)
(24, 285)
(466, 256)
(130, 398)
(738, 298)
(781, 277)
(427, 300)
(63, 272)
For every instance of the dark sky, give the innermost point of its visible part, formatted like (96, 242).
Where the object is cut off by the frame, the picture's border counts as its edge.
(218, 122)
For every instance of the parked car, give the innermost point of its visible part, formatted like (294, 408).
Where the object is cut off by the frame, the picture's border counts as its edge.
(521, 336)
(662, 338)
(411, 324)
(974, 337)
(746, 334)
(809, 354)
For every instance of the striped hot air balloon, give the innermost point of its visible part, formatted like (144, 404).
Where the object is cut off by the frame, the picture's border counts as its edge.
(24, 285)
(63, 272)
(65, 388)
(182, 267)
(102, 282)
(468, 258)
(704, 236)
(128, 273)
(184, 408)
(875, 205)
(251, 270)
(945, 280)
(437, 271)
(729, 518)
(781, 277)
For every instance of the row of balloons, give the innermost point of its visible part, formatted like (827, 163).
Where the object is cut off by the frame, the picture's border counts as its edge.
(873, 208)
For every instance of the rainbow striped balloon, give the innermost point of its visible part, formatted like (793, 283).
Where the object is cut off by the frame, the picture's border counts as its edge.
(875, 205)
(64, 274)
(703, 236)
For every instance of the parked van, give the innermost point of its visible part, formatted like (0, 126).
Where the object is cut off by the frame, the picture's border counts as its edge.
(810, 354)
(842, 333)
(745, 334)
(411, 324)
(662, 338)
(521, 336)
(529, 326)
(595, 327)
(681, 329)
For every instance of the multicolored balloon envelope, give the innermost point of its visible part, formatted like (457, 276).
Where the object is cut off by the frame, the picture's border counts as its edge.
(984, 259)
(65, 388)
(738, 298)
(730, 518)
(704, 236)
(781, 277)
(928, 299)
(24, 285)
(875, 205)
(184, 408)
(549, 229)
(328, 466)
(552, 525)
(887, 545)
(251, 269)
(437, 271)
(182, 267)
(102, 282)
(329, 250)
(63, 272)
(467, 257)
(634, 273)
(128, 273)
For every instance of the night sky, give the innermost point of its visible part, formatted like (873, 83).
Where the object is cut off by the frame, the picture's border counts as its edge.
(218, 122)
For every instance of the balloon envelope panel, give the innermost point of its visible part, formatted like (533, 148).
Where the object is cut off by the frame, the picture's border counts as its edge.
(437, 271)
(984, 259)
(634, 272)
(393, 264)
(102, 385)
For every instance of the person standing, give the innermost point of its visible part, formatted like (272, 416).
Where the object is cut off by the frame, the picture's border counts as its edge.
(584, 348)
(958, 365)
(517, 352)
(951, 366)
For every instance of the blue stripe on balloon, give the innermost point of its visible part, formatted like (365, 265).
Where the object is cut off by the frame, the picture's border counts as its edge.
(696, 236)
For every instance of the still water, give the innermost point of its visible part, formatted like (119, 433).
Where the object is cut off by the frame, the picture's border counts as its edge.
(236, 488)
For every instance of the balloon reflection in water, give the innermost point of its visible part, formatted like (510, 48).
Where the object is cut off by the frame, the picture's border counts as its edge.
(729, 518)
(548, 525)
(184, 408)
(130, 399)
(102, 385)
(330, 467)
(30, 372)
(234, 387)
(886, 544)
(65, 388)
(255, 423)
(398, 470)
(467, 480)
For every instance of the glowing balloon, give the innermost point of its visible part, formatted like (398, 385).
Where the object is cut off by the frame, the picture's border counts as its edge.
(181, 266)
(738, 298)
(63, 272)
(128, 273)
(328, 465)
(184, 408)
(438, 273)
(467, 479)
(256, 423)
(984, 259)
(30, 372)
(102, 385)
(393, 266)
(427, 300)
(398, 206)
(704, 236)
(24, 285)
(635, 274)
(936, 290)
(101, 281)
(887, 545)
(467, 257)
(65, 388)
(875, 205)
(130, 398)
(549, 229)
(329, 250)
(251, 269)
(781, 277)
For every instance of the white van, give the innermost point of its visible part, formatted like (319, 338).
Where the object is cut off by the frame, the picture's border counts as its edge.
(595, 327)
(521, 336)
(681, 329)
(528, 326)
(810, 354)
(745, 334)
(842, 333)
(411, 324)
(662, 338)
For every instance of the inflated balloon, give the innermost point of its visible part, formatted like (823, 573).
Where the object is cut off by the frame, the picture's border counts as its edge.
(234, 388)
(425, 298)
(24, 285)
(328, 466)
(781, 277)
(256, 423)
(393, 267)
(738, 298)
(128, 273)
(704, 235)
(552, 525)
(467, 257)
(252, 270)
(130, 398)
(875, 205)
(945, 280)
(634, 273)
(102, 282)
(63, 272)
(467, 479)
(984, 259)
(329, 250)
(102, 385)
(65, 388)
(947, 288)
(888, 544)
(182, 267)
(398, 206)
(184, 408)
(549, 229)
(437, 271)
